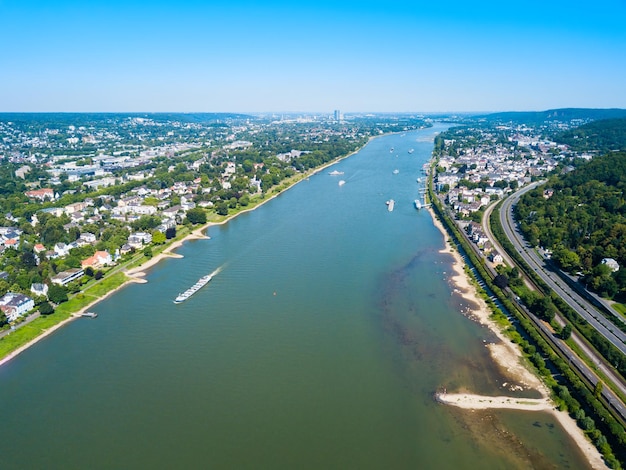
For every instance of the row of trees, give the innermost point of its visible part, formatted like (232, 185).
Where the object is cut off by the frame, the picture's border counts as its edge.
(582, 219)
(602, 428)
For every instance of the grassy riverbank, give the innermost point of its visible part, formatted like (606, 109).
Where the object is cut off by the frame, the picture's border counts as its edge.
(27, 334)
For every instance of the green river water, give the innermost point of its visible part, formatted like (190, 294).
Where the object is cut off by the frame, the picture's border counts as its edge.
(318, 345)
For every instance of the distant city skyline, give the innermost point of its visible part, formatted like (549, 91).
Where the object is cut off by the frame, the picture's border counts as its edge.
(311, 56)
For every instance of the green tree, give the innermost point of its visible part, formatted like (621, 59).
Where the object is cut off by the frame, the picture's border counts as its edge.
(158, 238)
(501, 281)
(196, 216)
(221, 208)
(568, 260)
(566, 332)
(146, 222)
(597, 390)
(45, 308)
(4, 287)
(28, 259)
(53, 232)
(57, 294)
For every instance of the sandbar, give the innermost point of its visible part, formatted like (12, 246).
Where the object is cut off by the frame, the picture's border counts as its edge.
(509, 357)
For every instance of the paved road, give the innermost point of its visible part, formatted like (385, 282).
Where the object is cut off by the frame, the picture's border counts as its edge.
(28, 319)
(573, 358)
(591, 353)
(572, 298)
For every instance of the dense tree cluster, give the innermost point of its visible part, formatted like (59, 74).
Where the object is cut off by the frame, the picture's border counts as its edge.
(581, 217)
(603, 136)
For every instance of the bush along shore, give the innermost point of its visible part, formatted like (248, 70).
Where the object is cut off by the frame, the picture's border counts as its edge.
(37, 327)
(569, 392)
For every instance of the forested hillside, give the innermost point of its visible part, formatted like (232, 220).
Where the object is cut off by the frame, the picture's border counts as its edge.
(602, 136)
(581, 216)
(563, 114)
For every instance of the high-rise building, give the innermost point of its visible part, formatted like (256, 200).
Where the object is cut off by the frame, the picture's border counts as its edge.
(338, 115)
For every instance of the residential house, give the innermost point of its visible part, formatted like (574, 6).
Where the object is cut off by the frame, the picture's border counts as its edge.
(14, 305)
(88, 237)
(129, 201)
(187, 203)
(98, 260)
(65, 277)
(135, 209)
(12, 243)
(39, 289)
(171, 212)
(138, 239)
(75, 207)
(611, 263)
(61, 249)
(41, 194)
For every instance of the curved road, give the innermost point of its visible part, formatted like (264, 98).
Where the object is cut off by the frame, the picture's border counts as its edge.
(573, 358)
(573, 299)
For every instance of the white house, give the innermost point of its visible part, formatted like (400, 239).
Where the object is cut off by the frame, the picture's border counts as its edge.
(39, 289)
(611, 263)
(14, 305)
(61, 249)
(88, 237)
(138, 239)
(68, 276)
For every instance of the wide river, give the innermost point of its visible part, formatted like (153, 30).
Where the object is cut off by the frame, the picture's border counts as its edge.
(317, 345)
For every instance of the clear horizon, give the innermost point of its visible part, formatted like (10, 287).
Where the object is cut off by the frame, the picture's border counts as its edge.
(307, 113)
(399, 56)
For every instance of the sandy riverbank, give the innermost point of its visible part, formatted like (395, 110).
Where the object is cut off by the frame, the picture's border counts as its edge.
(71, 318)
(200, 233)
(136, 274)
(509, 357)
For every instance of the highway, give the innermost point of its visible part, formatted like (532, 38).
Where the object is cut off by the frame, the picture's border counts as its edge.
(573, 299)
(572, 358)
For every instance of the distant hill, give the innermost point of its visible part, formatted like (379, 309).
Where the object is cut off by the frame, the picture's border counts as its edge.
(78, 118)
(602, 136)
(564, 114)
(196, 117)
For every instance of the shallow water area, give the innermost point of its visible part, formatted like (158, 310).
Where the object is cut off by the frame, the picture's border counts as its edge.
(319, 344)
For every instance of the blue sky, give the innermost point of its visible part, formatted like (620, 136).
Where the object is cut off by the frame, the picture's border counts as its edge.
(357, 56)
